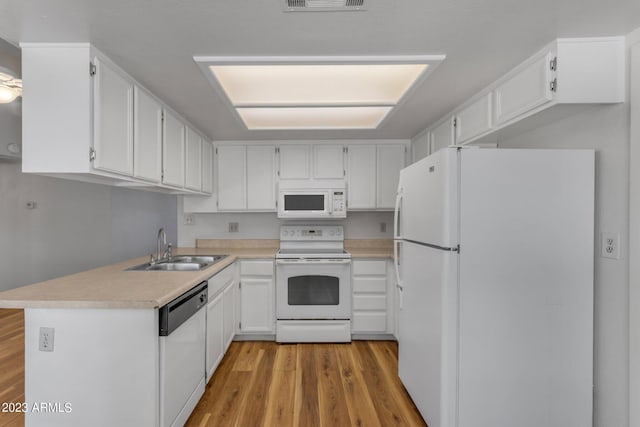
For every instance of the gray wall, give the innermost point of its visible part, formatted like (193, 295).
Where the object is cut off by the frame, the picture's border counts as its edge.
(75, 226)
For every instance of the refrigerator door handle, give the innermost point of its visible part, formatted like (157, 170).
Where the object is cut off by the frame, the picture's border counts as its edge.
(396, 263)
(396, 215)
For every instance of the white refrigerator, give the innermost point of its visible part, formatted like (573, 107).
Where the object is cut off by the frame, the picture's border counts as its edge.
(494, 254)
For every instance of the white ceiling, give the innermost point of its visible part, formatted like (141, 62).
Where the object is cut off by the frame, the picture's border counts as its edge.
(155, 41)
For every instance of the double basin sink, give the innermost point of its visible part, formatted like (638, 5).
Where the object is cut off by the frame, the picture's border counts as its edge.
(181, 263)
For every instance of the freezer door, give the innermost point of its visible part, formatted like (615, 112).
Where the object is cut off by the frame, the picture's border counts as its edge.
(427, 200)
(427, 330)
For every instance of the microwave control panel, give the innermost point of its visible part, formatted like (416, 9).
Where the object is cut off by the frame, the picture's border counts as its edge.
(339, 205)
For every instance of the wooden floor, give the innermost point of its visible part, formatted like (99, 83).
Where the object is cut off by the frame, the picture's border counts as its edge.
(268, 384)
(333, 385)
(11, 364)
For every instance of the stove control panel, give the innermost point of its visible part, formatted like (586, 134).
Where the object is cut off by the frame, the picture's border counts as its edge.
(312, 232)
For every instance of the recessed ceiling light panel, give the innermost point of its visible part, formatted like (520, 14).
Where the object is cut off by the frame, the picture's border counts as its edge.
(315, 92)
(313, 117)
(334, 84)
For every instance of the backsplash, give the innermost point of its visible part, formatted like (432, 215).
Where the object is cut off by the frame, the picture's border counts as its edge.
(357, 225)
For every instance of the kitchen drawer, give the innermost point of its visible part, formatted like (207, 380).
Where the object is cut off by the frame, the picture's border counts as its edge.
(369, 267)
(369, 321)
(256, 268)
(370, 284)
(220, 280)
(369, 302)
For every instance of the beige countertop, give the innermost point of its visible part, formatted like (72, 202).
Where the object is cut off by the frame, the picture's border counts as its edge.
(112, 286)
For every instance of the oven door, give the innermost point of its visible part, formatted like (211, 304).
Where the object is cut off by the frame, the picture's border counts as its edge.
(313, 289)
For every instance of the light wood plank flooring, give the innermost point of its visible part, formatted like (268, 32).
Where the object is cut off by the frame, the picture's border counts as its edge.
(267, 384)
(333, 385)
(11, 364)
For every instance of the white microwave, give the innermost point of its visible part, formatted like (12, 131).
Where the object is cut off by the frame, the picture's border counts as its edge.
(309, 202)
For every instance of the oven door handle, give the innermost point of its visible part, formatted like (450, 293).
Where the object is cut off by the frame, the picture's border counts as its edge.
(312, 261)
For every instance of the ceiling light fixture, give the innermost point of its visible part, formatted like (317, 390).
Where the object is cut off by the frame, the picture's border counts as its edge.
(10, 86)
(315, 92)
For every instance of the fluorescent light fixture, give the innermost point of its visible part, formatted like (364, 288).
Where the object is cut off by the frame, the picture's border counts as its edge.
(316, 92)
(10, 86)
(334, 84)
(356, 117)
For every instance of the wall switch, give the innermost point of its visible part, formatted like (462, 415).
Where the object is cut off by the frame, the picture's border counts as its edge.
(189, 219)
(610, 245)
(46, 339)
(31, 205)
(233, 227)
(383, 227)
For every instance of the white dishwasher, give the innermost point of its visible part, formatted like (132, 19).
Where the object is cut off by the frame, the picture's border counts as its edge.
(182, 355)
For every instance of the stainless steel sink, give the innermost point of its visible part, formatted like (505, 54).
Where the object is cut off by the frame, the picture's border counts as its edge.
(181, 263)
(177, 266)
(197, 258)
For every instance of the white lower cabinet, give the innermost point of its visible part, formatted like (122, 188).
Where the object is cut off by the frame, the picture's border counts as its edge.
(229, 314)
(257, 314)
(221, 320)
(215, 340)
(372, 297)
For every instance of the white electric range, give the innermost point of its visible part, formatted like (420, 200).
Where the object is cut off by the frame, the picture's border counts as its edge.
(313, 285)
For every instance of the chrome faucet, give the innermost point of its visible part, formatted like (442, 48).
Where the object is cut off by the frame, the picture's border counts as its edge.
(162, 240)
(160, 254)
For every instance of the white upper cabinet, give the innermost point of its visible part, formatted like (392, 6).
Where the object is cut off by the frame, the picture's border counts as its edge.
(361, 177)
(442, 135)
(147, 136)
(261, 177)
(173, 151)
(193, 160)
(567, 71)
(84, 118)
(372, 175)
(474, 119)
(328, 161)
(295, 161)
(231, 177)
(391, 159)
(207, 167)
(113, 124)
(524, 90)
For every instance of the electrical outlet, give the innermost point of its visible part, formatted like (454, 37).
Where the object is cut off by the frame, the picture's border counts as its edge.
(383, 227)
(46, 339)
(189, 219)
(610, 245)
(234, 227)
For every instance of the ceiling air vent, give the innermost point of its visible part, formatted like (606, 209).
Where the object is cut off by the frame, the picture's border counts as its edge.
(323, 5)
